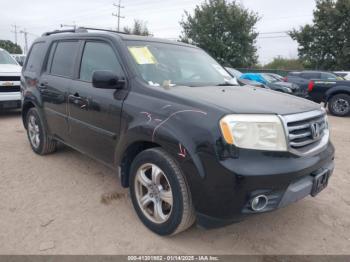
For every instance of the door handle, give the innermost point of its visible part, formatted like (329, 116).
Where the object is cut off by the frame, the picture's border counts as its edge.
(80, 102)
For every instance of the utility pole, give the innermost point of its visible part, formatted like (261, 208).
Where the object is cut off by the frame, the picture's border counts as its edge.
(25, 33)
(118, 14)
(15, 31)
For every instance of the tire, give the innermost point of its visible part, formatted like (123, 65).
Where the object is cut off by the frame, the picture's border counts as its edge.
(339, 105)
(41, 144)
(181, 215)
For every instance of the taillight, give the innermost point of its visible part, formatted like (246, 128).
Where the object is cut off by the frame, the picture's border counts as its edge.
(285, 79)
(311, 86)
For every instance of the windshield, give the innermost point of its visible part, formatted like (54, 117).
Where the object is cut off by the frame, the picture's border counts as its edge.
(6, 58)
(277, 77)
(234, 72)
(161, 64)
(269, 78)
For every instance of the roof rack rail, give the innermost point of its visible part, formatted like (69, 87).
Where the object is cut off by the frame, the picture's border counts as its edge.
(78, 30)
(102, 29)
(81, 30)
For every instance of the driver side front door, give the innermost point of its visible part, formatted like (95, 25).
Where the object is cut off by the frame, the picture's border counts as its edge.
(94, 114)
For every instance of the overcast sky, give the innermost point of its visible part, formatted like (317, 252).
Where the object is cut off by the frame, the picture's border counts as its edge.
(163, 16)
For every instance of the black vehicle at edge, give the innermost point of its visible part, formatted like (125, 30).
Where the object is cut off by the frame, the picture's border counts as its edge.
(209, 153)
(324, 87)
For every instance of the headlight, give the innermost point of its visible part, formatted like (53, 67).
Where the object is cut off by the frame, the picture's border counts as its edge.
(325, 118)
(288, 90)
(260, 132)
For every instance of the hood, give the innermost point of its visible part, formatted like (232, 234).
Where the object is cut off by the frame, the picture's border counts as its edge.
(245, 99)
(6, 68)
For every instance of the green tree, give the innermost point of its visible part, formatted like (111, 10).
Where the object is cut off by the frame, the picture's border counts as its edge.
(225, 30)
(281, 63)
(139, 28)
(326, 43)
(10, 47)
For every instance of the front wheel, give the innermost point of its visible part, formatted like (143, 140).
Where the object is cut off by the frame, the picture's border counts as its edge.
(160, 194)
(339, 105)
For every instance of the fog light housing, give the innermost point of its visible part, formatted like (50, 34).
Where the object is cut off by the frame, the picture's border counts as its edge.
(259, 203)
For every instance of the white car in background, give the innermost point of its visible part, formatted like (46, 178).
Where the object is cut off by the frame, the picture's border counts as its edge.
(19, 58)
(10, 75)
(343, 74)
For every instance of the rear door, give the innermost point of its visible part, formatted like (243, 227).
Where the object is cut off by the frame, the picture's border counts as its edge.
(53, 85)
(94, 114)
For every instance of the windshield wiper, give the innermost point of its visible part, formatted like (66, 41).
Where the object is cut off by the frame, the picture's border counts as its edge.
(227, 84)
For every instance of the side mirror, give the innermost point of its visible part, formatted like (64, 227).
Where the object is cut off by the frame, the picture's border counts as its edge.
(104, 79)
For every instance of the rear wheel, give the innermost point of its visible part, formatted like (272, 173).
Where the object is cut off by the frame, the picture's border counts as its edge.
(160, 194)
(339, 105)
(39, 140)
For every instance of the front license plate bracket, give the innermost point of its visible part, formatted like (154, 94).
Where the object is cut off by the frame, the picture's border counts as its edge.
(320, 182)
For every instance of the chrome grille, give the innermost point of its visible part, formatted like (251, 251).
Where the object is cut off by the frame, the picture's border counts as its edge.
(9, 89)
(10, 84)
(306, 131)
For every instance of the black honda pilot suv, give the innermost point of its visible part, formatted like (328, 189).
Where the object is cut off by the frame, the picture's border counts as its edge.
(190, 143)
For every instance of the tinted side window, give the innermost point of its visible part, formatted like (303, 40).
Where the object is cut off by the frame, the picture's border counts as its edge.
(98, 56)
(328, 76)
(64, 58)
(35, 58)
(311, 75)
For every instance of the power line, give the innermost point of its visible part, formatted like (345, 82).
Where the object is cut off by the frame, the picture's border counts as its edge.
(270, 33)
(280, 36)
(118, 14)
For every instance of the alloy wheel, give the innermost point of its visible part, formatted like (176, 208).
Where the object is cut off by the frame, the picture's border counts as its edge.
(153, 193)
(341, 106)
(34, 131)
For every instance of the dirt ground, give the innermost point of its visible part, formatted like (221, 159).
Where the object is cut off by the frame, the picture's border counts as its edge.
(52, 205)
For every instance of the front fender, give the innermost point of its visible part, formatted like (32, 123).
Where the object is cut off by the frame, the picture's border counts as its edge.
(173, 141)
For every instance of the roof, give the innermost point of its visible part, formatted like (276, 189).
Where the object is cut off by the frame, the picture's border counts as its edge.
(98, 32)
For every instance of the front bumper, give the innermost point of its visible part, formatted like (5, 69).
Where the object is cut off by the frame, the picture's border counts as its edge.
(10, 100)
(230, 185)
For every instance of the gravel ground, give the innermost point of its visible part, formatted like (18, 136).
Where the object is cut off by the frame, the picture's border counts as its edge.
(52, 205)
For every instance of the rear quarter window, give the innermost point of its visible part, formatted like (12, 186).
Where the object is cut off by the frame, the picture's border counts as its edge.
(35, 58)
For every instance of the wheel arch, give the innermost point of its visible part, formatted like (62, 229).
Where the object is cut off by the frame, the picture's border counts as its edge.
(336, 91)
(129, 154)
(133, 144)
(27, 105)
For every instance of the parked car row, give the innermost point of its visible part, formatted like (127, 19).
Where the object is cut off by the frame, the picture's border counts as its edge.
(333, 89)
(237, 75)
(266, 80)
(324, 87)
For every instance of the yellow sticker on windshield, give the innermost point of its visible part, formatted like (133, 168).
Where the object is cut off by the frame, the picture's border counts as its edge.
(142, 55)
